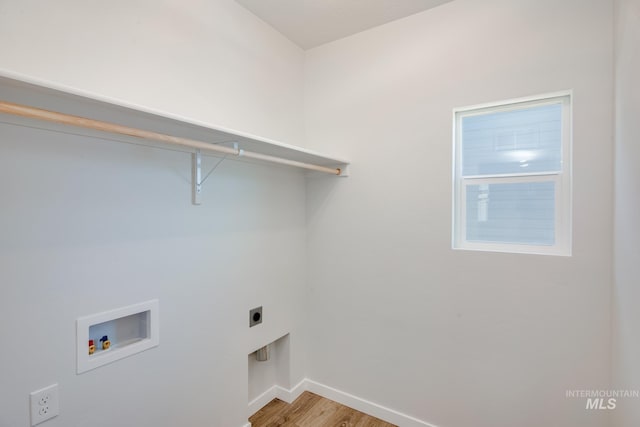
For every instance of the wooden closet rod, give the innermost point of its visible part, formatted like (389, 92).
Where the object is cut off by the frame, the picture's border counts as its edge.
(82, 122)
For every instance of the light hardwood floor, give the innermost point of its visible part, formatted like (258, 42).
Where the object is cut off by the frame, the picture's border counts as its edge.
(311, 410)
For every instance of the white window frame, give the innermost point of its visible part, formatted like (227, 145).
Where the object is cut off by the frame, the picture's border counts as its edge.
(562, 178)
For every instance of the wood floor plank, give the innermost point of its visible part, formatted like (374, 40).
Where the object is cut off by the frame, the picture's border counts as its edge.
(269, 414)
(302, 405)
(319, 414)
(311, 410)
(347, 417)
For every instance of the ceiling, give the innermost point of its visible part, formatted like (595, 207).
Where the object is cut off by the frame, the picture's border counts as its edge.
(310, 23)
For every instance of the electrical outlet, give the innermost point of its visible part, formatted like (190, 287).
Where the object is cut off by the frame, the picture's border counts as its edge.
(44, 404)
(255, 316)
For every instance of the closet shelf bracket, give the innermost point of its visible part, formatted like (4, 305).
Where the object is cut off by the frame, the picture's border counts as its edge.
(196, 178)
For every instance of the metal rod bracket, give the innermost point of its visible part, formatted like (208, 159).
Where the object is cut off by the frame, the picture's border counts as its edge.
(196, 178)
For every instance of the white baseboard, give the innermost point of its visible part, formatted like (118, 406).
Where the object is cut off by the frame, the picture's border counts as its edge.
(290, 395)
(277, 392)
(261, 401)
(362, 405)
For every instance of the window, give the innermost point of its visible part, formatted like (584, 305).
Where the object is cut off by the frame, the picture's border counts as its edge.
(512, 176)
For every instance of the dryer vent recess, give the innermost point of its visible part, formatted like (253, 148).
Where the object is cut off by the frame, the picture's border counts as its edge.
(255, 316)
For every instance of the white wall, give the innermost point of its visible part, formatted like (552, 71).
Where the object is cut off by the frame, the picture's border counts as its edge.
(456, 338)
(626, 294)
(87, 226)
(211, 61)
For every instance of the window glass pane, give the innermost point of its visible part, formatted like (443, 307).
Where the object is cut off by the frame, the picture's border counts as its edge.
(519, 141)
(522, 213)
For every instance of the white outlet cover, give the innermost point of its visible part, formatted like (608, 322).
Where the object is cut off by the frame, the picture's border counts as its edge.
(44, 404)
